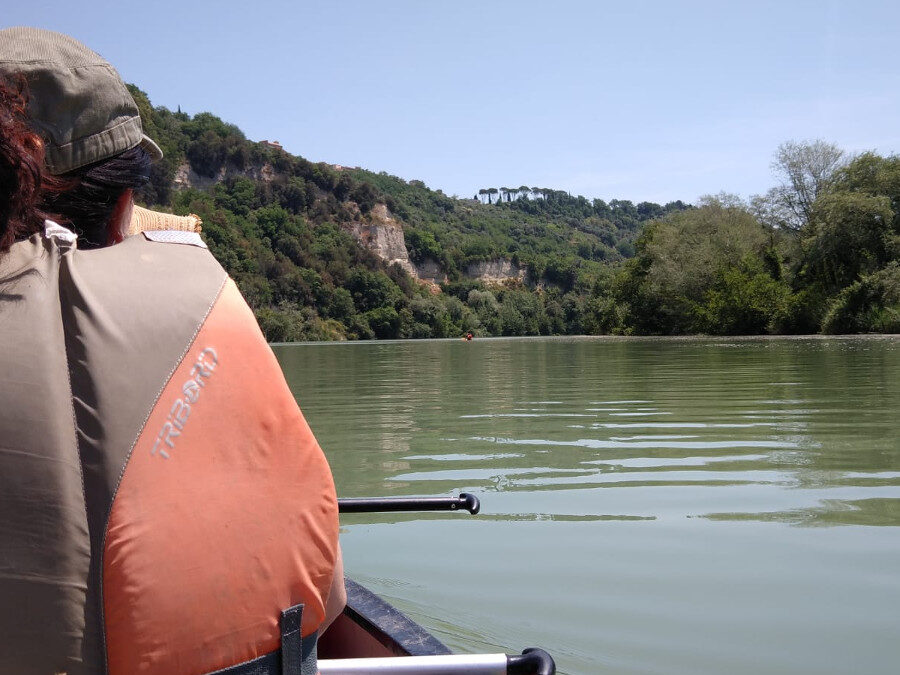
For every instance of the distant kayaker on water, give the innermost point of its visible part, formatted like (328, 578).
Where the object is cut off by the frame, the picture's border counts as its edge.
(164, 507)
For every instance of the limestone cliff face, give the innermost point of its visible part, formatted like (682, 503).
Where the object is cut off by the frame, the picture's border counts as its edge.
(384, 240)
(429, 270)
(383, 235)
(497, 271)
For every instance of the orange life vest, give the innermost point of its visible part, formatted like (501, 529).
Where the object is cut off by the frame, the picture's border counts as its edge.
(164, 500)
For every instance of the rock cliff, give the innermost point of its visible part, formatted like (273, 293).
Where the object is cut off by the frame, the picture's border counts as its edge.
(383, 235)
(497, 271)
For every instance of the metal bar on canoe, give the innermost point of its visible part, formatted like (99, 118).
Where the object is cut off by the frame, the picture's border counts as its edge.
(532, 661)
(464, 502)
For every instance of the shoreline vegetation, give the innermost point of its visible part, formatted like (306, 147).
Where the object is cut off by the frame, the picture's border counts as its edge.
(717, 341)
(323, 252)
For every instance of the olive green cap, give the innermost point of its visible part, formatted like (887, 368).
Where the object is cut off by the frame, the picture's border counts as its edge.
(77, 101)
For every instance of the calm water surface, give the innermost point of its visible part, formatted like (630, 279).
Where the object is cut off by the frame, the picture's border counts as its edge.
(648, 506)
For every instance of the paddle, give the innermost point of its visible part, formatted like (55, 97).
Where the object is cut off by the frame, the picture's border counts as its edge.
(464, 501)
(532, 661)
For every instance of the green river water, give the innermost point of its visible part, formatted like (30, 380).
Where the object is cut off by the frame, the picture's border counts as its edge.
(648, 505)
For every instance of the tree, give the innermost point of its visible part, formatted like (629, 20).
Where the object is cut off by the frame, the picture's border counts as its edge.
(873, 175)
(521, 313)
(743, 299)
(344, 186)
(365, 197)
(680, 259)
(689, 247)
(485, 306)
(372, 290)
(805, 171)
(384, 322)
(491, 192)
(851, 235)
(854, 229)
(871, 304)
(295, 196)
(430, 312)
(422, 245)
(649, 210)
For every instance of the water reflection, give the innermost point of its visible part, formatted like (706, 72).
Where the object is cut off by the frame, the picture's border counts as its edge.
(806, 415)
(870, 512)
(659, 475)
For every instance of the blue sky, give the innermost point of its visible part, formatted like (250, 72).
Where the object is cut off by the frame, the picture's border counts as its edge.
(632, 100)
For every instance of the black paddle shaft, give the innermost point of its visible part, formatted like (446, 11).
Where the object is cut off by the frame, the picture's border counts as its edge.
(464, 502)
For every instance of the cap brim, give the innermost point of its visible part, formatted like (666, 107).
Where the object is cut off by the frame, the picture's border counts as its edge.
(152, 148)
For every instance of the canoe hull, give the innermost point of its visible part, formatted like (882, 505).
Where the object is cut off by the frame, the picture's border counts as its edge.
(369, 627)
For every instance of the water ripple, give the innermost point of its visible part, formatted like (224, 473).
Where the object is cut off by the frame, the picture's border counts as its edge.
(610, 443)
(699, 506)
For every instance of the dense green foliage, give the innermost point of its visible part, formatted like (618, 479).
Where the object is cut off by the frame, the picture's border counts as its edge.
(558, 237)
(282, 227)
(817, 253)
(830, 264)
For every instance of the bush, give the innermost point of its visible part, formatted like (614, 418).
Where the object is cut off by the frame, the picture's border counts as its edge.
(743, 300)
(384, 322)
(422, 245)
(870, 305)
(372, 290)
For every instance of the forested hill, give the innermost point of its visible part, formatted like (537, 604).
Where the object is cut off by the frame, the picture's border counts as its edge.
(329, 252)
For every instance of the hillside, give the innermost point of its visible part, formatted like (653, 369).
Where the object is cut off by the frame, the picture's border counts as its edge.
(327, 252)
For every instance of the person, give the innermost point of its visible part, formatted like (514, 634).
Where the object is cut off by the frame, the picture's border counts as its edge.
(164, 506)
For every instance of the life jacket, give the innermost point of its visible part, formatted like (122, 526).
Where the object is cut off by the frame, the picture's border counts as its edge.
(164, 506)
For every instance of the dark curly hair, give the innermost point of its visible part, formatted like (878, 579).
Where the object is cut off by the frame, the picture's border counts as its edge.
(84, 199)
(21, 167)
(93, 192)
